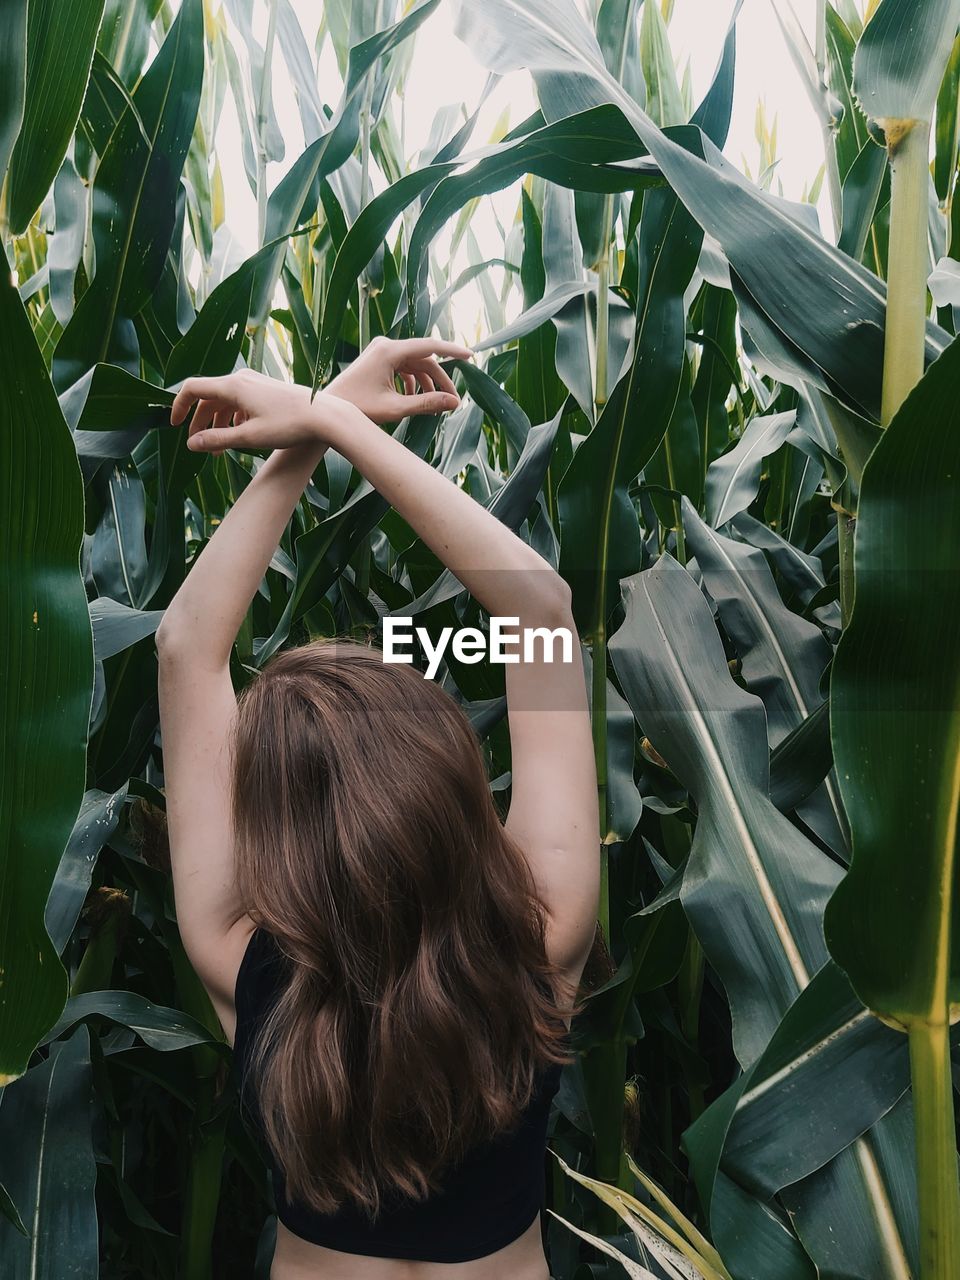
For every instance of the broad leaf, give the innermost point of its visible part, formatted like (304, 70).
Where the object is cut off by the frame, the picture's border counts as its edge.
(823, 318)
(49, 1167)
(61, 35)
(97, 820)
(754, 888)
(896, 714)
(45, 697)
(135, 203)
(733, 480)
(600, 540)
(159, 1027)
(900, 59)
(830, 1072)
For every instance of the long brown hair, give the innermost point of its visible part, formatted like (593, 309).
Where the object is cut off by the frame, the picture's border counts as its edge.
(419, 1002)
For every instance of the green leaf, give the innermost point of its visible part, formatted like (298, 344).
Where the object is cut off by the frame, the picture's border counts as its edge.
(664, 100)
(823, 320)
(97, 820)
(830, 1072)
(116, 626)
(104, 104)
(13, 77)
(948, 127)
(110, 410)
(61, 35)
(617, 37)
(862, 189)
(600, 541)
(841, 1193)
(783, 656)
(157, 1026)
(900, 59)
(125, 35)
(801, 761)
(534, 316)
(135, 203)
(716, 372)
(589, 151)
(733, 480)
(359, 246)
(896, 714)
(296, 196)
(49, 1167)
(892, 924)
(213, 342)
(65, 245)
(45, 701)
(851, 133)
(754, 888)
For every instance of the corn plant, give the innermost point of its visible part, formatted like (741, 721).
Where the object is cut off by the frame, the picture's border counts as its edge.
(735, 432)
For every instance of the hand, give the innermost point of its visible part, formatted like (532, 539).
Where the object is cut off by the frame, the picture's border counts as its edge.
(247, 410)
(369, 382)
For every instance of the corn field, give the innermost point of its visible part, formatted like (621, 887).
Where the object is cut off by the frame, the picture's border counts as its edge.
(734, 430)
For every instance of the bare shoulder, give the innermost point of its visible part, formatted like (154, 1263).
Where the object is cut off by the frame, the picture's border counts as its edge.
(217, 962)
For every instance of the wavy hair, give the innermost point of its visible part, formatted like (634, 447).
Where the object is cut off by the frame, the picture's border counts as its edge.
(419, 1002)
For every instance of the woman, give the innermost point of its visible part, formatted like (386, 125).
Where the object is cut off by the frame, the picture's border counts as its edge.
(395, 967)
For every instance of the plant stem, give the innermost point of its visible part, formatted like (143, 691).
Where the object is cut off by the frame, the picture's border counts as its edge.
(4, 214)
(834, 185)
(603, 306)
(599, 722)
(263, 103)
(846, 531)
(937, 1186)
(691, 990)
(364, 289)
(907, 260)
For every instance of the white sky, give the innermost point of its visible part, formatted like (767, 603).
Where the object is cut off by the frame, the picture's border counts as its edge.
(444, 71)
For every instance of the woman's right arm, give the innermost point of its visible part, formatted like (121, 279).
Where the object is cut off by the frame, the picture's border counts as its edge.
(553, 813)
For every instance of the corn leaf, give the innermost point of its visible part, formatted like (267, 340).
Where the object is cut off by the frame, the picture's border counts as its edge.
(49, 1167)
(13, 77)
(46, 699)
(135, 204)
(824, 318)
(599, 535)
(754, 887)
(61, 35)
(896, 693)
(900, 58)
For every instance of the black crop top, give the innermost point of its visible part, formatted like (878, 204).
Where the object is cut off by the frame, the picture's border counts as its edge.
(487, 1200)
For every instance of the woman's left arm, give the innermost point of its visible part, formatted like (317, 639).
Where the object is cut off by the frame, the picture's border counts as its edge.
(199, 627)
(197, 710)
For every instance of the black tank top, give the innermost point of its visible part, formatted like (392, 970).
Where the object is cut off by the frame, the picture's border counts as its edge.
(487, 1200)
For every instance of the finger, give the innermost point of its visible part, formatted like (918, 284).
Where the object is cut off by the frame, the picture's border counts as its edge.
(217, 439)
(440, 377)
(409, 384)
(195, 389)
(426, 382)
(417, 348)
(431, 402)
(203, 415)
(222, 421)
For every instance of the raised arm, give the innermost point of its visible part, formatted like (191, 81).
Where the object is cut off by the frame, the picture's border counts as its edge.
(553, 811)
(196, 636)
